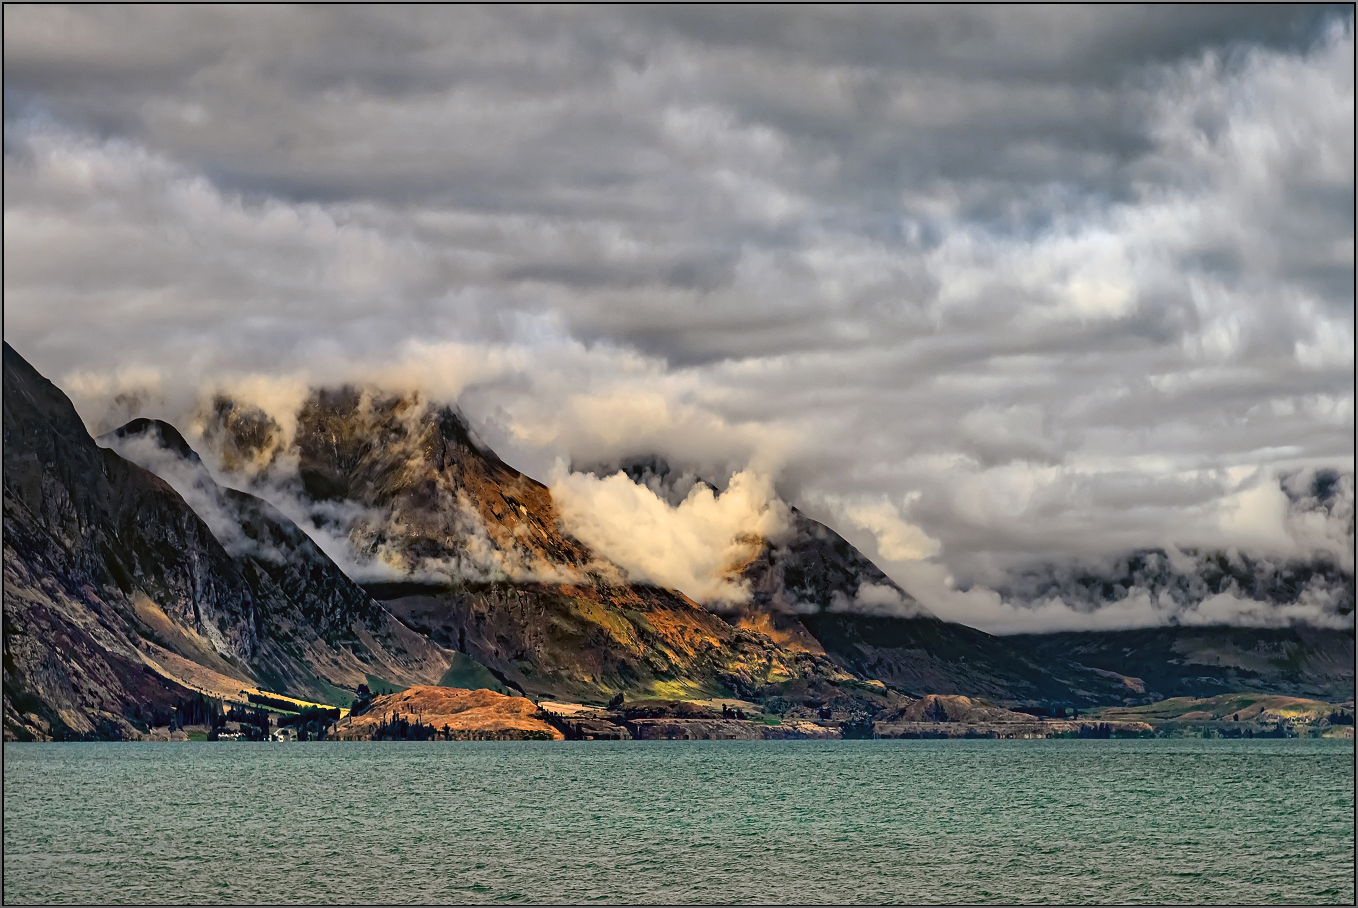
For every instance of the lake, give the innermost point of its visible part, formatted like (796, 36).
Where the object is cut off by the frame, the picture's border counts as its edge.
(1059, 821)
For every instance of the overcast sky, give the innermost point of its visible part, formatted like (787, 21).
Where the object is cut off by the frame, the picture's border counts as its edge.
(972, 285)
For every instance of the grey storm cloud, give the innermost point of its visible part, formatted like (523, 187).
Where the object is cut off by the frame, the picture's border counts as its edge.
(977, 286)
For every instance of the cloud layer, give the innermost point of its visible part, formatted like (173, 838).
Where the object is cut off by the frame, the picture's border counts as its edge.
(978, 287)
(696, 545)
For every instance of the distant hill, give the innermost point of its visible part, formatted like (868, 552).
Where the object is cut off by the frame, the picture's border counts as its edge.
(1299, 661)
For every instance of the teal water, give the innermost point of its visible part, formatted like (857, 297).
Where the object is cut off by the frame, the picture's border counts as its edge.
(1137, 821)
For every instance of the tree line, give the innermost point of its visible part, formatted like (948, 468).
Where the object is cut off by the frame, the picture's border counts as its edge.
(313, 723)
(395, 727)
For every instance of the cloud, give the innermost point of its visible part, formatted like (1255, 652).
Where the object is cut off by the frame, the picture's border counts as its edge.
(894, 538)
(1072, 600)
(695, 546)
(1079, 280)
(876, 599)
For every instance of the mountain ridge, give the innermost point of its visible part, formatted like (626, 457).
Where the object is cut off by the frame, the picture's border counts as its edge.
(133, 576)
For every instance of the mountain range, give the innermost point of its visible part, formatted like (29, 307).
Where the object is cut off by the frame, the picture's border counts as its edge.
(400, 551)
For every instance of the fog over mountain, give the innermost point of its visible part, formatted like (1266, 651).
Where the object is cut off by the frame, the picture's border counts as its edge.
(1049, 311)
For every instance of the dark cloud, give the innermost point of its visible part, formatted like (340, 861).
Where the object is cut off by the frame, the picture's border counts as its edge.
(999, 282)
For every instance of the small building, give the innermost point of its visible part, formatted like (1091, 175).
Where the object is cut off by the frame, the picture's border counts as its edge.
(284, 734)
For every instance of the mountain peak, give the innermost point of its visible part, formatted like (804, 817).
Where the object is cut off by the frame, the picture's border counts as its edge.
(165, 435)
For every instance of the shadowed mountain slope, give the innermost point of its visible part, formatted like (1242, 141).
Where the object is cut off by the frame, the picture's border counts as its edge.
(118, 595)
(1299, 661)
(813, 584)
(325, 630)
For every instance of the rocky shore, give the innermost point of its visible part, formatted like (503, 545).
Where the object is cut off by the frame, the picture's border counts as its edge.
(933, 716)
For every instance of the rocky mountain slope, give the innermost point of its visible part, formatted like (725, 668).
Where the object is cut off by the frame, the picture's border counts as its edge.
(485, 568)
(470, 552)
(119, 599)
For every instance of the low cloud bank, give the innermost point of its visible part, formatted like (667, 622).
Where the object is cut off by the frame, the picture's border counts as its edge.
(1318, 605)
(1278, 551)
(695, 545)
(877, 599)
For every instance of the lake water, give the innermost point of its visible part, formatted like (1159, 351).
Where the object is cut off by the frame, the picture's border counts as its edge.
(1145, 821)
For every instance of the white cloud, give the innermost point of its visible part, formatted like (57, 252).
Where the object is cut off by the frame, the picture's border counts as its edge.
(896, 539)
(695, 546)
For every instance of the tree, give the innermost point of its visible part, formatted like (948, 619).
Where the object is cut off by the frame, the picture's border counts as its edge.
(362, 701)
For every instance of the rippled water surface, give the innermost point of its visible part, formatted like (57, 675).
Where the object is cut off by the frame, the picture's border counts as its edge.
(1153, 821)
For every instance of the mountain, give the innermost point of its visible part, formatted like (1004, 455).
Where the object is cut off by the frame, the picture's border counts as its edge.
(119, 600)
(134, 577)
(470, 552)
(812, 583)
(482, 565)
(486, 568)
(1178, 661)
(466, 549)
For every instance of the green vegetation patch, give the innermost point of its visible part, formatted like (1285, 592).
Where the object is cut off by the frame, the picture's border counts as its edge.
(468, 674)
(1234, 715)
(381, 686)
(337, 696)
(1246, 705)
